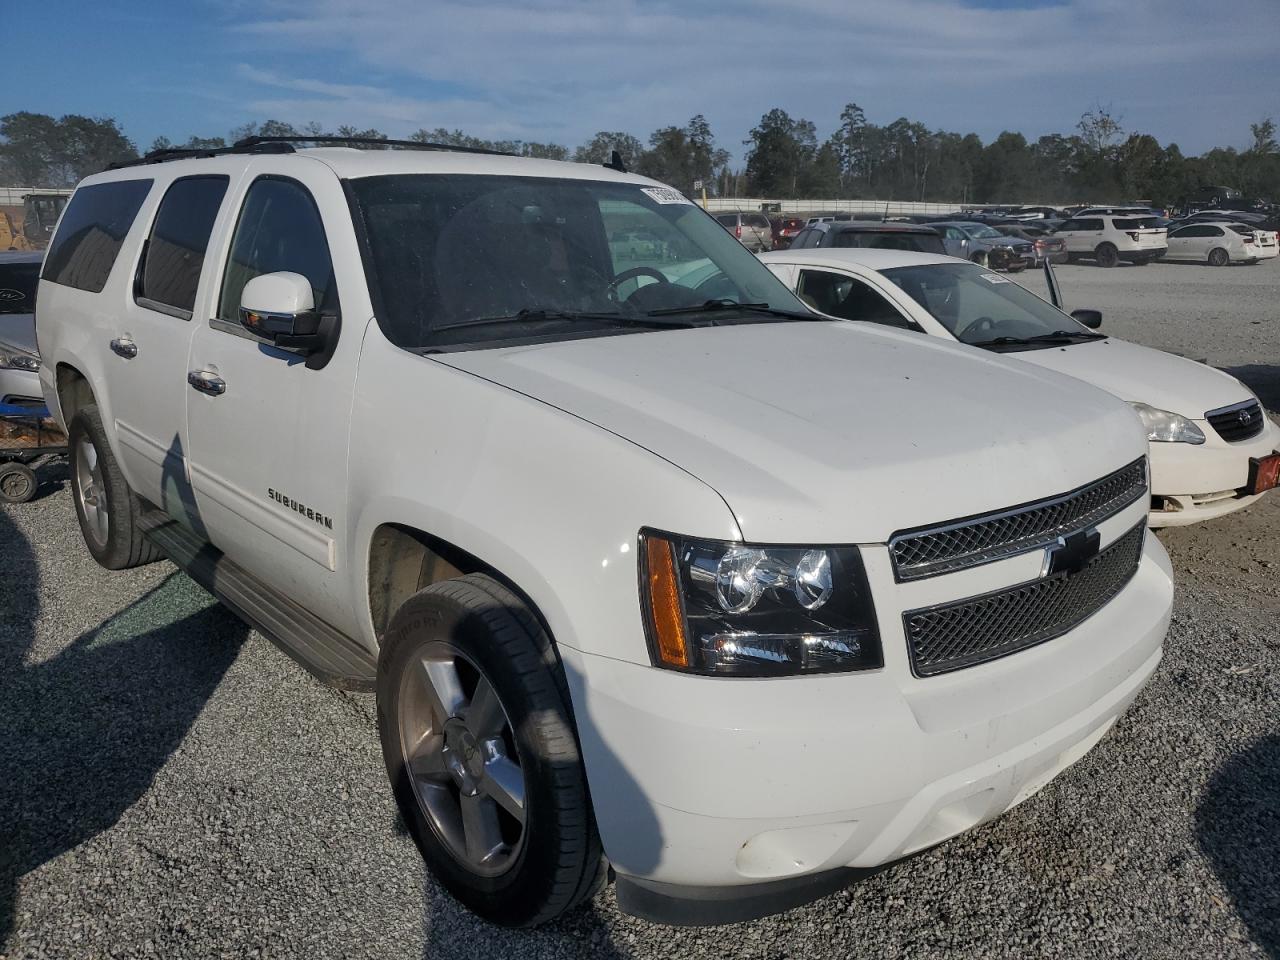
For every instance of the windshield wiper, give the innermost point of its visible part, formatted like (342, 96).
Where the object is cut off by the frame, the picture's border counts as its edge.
(1067, 335)
(1058, 336)
(728, 305)
(537, 315)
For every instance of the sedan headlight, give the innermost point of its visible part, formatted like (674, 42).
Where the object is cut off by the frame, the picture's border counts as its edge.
(15, 358)
(734, 609)
(1167, 427)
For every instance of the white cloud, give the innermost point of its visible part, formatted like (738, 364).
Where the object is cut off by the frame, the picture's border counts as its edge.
(561, 69)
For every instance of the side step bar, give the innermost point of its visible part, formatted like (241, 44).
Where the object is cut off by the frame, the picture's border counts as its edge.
(331, 656)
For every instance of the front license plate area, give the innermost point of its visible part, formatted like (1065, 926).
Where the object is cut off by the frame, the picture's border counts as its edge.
(1264, 473)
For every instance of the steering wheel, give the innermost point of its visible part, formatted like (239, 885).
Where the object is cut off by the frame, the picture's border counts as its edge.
(981, 325)
(612, 289)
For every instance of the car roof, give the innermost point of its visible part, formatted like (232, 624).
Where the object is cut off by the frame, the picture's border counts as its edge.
(350, 163)
(21, 256)
(873, 226)
(870, 257)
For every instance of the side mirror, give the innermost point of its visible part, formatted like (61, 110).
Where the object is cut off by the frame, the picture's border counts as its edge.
(280, 309)
(279, 305)
(1090, 318)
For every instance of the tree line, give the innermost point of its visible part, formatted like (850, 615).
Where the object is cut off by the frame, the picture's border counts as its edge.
(783, 158)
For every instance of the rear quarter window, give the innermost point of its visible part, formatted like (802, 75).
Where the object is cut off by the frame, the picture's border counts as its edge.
(91, 232)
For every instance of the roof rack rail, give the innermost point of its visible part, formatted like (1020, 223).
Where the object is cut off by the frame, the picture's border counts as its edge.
(284, 144)
(251, 143)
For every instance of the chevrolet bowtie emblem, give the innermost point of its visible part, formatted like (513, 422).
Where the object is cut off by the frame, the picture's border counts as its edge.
(1072, 553)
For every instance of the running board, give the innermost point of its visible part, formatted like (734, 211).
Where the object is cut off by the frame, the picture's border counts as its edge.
(330, 656)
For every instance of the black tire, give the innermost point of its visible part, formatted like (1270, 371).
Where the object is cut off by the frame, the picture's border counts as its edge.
(560, 863)
(980, 259)
(17, 483)
(1107, 255)
(1072, 258)
(124, 545)
(1219, 257)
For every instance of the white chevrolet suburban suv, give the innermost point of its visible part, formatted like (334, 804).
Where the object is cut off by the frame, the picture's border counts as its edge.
(656, 574)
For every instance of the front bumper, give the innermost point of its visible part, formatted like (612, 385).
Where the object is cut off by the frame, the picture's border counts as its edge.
(1195, 482)
(1002, 258)
(706, 786)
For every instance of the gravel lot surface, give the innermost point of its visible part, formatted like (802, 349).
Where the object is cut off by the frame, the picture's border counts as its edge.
(171, 785)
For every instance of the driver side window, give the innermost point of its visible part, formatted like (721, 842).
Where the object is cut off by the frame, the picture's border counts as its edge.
(840, 295)
(279, 229)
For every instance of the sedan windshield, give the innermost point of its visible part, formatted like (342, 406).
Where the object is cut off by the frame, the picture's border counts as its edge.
(466, 261)
(985, 309)
(18, 287)
(985, 233)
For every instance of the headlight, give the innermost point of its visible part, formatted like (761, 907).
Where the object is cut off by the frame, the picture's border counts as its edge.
(734, 609)
(1167, 427)
(13, 358)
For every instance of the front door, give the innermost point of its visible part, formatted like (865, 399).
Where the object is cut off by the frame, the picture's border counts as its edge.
(268, 434)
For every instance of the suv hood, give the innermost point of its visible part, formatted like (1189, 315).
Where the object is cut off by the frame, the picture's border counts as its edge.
(831, 432)
(1133, 372)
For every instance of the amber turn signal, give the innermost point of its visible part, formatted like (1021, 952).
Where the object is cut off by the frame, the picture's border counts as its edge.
(665, 615)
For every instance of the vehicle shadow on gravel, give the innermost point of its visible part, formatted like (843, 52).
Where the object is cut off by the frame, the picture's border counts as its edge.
(1238, 827)
(85, 731)
(1263, 379)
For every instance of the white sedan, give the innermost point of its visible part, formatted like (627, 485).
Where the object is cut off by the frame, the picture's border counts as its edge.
(1213, 450)
(1221, 243)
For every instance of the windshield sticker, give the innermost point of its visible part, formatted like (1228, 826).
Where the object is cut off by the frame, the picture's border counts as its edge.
(665, 195)
(995, 278)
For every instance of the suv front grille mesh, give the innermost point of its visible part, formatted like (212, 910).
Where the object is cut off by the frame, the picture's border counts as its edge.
(955, 635)
(1241, 421)
(929, 551)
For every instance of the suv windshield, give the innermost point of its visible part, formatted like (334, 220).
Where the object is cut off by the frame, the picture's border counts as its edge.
(18, 287)
(985, 309)
(482, 261)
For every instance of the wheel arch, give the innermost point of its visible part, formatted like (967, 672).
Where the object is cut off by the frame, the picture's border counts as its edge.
(74, 391)
(402, 559)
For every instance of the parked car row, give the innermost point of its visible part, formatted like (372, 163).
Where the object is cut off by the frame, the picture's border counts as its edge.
(684, 523)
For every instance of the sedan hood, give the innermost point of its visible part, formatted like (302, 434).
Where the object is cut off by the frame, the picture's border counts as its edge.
(18, 330)
(831, 432)
(1153, 377)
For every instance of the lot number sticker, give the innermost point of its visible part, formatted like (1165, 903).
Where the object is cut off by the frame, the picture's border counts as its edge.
(995, 278)
(665, 195)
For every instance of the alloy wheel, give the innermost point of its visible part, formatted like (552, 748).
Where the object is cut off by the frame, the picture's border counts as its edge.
(460, 754)
(91, 493)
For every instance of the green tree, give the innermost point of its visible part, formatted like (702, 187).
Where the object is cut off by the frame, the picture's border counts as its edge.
(38, 150)
(781, 151)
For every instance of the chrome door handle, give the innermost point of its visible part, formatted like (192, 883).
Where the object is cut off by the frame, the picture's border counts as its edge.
(124, 347)
(207, 382)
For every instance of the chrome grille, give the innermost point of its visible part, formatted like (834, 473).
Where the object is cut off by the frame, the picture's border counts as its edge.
(929, 551)
(1240, 421)
(952, 636)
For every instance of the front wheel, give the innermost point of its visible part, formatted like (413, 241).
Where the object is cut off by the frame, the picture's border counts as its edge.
(1219, 257)
(479, 744)
(980, 259)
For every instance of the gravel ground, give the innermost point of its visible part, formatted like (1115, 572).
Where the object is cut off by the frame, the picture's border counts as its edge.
(171, 785)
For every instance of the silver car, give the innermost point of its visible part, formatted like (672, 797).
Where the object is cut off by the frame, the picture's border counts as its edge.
(19, 360)
(753, 229)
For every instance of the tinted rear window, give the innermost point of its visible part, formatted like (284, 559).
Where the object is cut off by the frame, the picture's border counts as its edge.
(179, 237)
(92, 229)
(890, 240)
(18, 287)
(728, 219)
(1136, 223)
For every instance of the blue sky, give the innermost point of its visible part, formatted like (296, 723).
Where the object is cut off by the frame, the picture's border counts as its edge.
(1187, 71)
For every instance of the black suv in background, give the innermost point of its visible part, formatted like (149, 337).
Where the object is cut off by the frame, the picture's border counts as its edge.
(871, 233)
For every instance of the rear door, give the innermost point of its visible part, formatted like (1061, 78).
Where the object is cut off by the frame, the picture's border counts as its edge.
(149, 362)
(268, 434)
